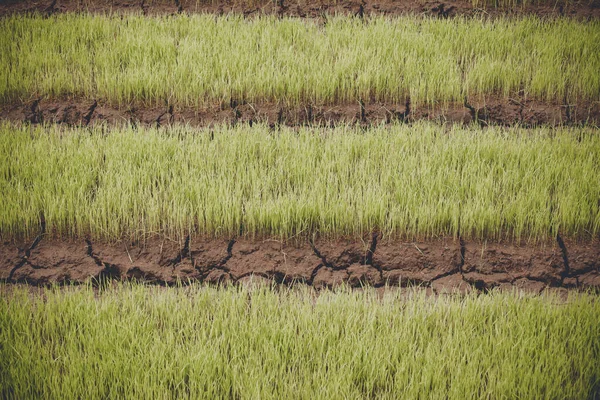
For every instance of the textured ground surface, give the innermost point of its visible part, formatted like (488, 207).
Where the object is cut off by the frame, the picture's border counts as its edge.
(443, 264)
(495, 111)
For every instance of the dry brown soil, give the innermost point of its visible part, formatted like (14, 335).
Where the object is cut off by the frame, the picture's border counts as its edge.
(492, 111)
(303, 8)
(441, 264)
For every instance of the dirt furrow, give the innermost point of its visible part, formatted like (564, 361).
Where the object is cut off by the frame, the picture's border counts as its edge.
(495, 111)
(439, 264)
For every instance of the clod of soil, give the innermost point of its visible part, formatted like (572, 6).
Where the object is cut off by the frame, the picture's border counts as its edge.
(442, 265)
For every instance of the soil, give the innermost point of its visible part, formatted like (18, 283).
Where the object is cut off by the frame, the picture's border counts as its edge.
(494, 111)
(584, 9)
(439, 265)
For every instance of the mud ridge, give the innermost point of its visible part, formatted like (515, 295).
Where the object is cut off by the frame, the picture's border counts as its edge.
(318, 9)
(442, 265)
(492, 111)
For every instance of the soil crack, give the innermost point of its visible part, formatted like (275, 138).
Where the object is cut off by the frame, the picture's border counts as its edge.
(321, 256)
(228, 256)
(280, 117)
(51, 9)
(393, 115)
(314, 273)
(363, 113)
(478, 115)
(109, 271)
(179, 6)
(370, 252)
(35, 115)
(565, 257)
(171, 114)
(185, 252)
(463, 250)
(88, 117)
(171, 117)
(471, 109)
(38, 239)
(441, 11)
(221, 265)
(90, 253)
(476, 284)
(309, 114)
(404, 116)
(569, 108)
(372, 248)
(361, 11)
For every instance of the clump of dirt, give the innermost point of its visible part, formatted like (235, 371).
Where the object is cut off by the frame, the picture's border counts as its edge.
(440, 265)
(304, 9)
(494, 111)
(418, 263)
(492, 264)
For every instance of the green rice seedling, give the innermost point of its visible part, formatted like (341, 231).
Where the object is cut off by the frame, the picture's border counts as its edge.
(201, 59)
(132, 341)
(416, 181)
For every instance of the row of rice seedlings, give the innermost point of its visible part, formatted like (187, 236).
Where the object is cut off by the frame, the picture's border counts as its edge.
(194, 60)
(410, 181)
(131, 341)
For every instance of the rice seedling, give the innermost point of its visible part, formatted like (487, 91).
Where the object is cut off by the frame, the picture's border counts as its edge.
(417, 181)
(200, 59)
(132, 341)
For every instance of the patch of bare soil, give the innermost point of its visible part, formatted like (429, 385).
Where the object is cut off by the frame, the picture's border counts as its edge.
(440, 265)
(492, 111)
(584, 9)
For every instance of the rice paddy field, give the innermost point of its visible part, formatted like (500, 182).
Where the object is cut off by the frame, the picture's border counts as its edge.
(300, 199)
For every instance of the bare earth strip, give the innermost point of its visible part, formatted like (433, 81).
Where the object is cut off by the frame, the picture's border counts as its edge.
(443, 264)
(306, 9)
(494, 111)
